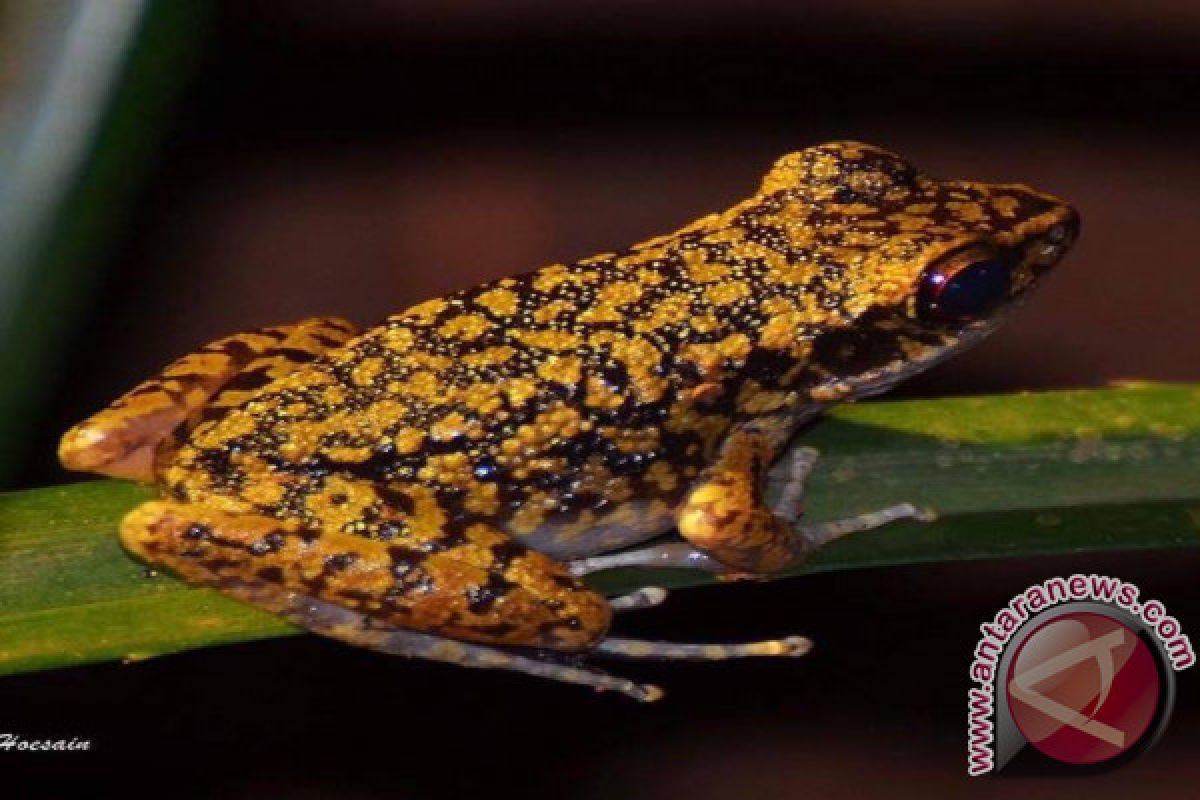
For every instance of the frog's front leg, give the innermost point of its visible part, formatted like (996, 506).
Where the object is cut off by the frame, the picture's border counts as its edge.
(122, 440)
(733, 522)
(450, 598)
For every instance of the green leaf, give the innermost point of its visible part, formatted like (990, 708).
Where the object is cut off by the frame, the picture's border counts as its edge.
(1019, 475)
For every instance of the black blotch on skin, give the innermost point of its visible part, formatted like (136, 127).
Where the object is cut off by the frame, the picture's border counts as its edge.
(240, 351)
(406, 557)
(565, 581)
(271, 543)
(389, 530)
(765, 366)
(397, 500)
(480, 599)
(505, 552)
(248, 379)
(272, 574)
(857, 350)
(197, 531)
(339, 561)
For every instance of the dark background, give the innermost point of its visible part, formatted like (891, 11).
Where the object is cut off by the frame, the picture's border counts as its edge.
(354, 157)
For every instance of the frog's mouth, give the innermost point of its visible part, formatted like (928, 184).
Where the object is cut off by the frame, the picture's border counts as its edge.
(924, 355)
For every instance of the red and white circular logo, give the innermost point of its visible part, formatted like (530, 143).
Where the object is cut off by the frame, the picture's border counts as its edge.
(1083, 688)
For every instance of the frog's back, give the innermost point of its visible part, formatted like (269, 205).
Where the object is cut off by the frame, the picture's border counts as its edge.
(555, 405)
(571, 406)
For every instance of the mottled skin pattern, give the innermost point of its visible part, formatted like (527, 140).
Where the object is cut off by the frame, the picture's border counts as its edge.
(431, 472)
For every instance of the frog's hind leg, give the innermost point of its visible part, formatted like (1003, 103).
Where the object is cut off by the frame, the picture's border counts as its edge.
(465, 604)
(122, 440)
(390, 597)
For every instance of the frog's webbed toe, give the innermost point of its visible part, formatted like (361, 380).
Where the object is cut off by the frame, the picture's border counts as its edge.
(122, 440)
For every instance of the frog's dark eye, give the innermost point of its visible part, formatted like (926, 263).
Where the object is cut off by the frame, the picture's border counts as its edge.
(967, 286)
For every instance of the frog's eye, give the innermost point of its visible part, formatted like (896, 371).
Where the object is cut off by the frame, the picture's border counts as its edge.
(965, 286)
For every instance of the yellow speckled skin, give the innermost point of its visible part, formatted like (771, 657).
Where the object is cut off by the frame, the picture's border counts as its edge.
(431, 471)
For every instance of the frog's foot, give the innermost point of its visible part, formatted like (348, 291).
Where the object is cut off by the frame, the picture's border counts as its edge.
(727, 517)
(818, 534)
(362, 630)
(122, 440)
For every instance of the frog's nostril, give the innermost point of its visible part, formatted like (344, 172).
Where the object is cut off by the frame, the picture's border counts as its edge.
(1070, 227)
(1056, 240)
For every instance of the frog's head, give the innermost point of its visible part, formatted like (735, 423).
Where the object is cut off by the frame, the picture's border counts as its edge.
(912, 269)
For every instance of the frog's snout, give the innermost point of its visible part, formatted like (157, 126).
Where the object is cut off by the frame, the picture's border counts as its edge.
(1060, 232)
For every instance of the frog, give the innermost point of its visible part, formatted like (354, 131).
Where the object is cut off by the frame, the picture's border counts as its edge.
(440, 485)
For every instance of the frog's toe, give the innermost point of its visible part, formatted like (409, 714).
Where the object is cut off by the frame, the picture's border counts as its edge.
(646, 597)
(787, 647)
(819, 534)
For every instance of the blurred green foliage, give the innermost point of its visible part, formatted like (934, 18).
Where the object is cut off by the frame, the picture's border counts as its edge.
(85, 118)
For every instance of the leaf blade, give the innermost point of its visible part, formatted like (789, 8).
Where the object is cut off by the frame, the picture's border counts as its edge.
(1018, 475)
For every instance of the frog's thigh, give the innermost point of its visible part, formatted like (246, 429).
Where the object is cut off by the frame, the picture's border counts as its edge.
(725, 515)
(484, 587)
(385, 597)
(121, 440)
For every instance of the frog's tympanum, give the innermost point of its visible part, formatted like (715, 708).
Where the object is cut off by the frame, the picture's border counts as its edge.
(437, 485)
